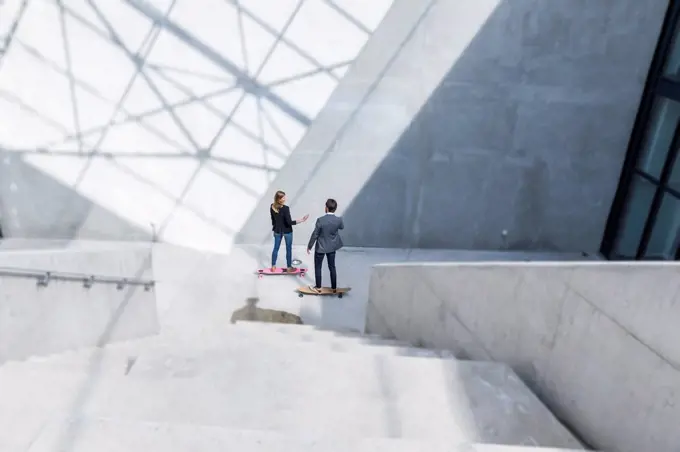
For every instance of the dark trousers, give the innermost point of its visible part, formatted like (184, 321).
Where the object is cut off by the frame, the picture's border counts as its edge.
(318, 262)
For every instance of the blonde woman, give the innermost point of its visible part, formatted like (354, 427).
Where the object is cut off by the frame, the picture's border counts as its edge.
(282, 226)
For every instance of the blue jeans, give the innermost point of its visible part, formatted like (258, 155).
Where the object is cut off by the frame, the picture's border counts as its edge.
(289, 248)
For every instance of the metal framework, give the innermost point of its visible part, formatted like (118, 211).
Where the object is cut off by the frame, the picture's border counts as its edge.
(658, 86)
(271, 131)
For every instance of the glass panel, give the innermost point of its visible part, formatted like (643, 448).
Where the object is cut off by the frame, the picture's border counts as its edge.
(634, 217)
(664, 239)
(674, 179)
(660, 131)
(672, 66)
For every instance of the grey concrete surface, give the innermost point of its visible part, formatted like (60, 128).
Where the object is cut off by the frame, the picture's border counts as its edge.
(461, 120)
(151, 437)
(597, 341)
(196, 288)
(202, 370)
(64, 314)
(343, 341)
(276, 389)
(118, 358)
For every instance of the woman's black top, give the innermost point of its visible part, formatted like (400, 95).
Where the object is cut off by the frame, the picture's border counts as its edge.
(282, 223)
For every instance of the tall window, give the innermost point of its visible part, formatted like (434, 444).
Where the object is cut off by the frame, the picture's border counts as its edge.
(645, 218)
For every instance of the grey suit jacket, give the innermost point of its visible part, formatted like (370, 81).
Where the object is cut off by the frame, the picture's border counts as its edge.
(326, 234)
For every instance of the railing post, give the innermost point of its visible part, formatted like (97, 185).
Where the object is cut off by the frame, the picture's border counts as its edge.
(44, 280)
(89, 281)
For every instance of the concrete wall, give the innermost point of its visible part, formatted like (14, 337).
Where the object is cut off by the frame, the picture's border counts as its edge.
(597, 341)
(64, 314)
(462, 119)
(128, 119)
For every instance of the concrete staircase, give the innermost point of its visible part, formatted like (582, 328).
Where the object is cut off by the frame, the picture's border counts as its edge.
(260, 386)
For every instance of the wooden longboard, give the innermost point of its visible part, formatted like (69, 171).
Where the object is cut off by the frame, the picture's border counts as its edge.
(281, 271)
(340, 291)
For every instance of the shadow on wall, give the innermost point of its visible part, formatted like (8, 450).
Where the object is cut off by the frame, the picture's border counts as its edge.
(524, 134)
(36, 205)
(488, 151)
(522, 131)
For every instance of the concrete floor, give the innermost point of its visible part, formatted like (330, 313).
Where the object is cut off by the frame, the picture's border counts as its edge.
(205, 288)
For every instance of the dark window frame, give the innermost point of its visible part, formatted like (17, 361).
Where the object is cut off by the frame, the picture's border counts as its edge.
(661, 189)
(656, 85)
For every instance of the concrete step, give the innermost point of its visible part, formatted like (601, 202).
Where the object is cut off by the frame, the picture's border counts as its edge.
(342, 340)
(118, 357)
(340, 395)
(86, 435)
(289, 327)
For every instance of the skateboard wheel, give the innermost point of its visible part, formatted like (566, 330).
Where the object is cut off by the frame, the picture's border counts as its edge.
(340, 295)
(299, 295)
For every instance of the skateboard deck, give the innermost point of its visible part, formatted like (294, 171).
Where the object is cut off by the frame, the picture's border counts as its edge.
(340, 291)
(281, 271)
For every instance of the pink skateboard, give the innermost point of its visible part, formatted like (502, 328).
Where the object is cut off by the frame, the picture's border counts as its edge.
(281, 271)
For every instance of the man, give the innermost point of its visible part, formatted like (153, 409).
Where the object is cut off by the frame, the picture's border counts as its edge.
(328, 241)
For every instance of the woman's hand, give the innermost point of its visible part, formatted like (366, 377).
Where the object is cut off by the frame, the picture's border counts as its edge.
(304, 219)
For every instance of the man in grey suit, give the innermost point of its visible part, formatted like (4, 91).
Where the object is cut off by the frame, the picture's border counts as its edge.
(327, 238)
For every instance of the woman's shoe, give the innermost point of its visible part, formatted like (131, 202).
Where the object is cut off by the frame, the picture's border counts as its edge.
(290, 269)
(273, 269)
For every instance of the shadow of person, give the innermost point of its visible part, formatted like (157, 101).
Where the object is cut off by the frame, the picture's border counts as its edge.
(250, 312)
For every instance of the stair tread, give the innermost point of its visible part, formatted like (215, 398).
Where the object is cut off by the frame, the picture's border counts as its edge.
(166, 437)
(308, 331)
(340, 395)
(231, 337)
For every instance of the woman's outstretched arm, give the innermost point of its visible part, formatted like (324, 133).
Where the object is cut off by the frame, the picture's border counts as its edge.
(287, 218)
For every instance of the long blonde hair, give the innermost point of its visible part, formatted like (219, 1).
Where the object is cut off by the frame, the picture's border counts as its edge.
(278, 203)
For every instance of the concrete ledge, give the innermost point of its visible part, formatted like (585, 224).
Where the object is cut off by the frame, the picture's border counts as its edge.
(597, 341)
(42, 245)
(37, 320)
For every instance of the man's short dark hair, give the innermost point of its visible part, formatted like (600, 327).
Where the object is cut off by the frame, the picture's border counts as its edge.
(331, 204)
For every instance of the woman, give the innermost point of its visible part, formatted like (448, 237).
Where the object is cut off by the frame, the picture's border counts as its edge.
(282, 225)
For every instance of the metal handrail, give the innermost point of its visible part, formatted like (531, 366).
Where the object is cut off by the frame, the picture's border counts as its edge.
(45, 276)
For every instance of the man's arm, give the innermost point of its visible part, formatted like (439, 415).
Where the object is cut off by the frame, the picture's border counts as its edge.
(342, 224)
(315, 235)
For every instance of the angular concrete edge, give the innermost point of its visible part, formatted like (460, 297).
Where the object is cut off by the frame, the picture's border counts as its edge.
(349, 97)
(595, 340)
